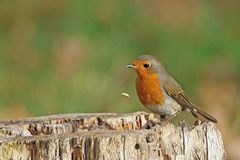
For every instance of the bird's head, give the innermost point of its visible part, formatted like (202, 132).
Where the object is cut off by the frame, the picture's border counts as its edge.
(146, 65)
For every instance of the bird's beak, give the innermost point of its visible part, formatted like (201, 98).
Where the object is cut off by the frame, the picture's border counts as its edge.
(130, 66)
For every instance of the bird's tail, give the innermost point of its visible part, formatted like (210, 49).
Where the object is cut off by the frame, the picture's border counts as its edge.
(202, 113)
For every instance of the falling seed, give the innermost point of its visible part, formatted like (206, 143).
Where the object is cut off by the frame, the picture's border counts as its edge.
(125, 94)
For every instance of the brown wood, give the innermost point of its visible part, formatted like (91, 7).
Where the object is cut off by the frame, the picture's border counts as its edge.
(107, 136)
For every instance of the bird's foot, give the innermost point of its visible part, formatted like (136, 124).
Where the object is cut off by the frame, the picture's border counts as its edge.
(165, 119)
(150, 124)
(162, 121)
(197, 122)
(162, 117)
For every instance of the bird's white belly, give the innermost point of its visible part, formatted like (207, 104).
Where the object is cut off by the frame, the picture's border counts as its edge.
(169, 107)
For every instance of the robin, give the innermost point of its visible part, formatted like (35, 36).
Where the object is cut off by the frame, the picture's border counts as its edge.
(159, 92)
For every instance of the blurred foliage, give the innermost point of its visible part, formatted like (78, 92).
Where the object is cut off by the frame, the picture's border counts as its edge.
(69, 56)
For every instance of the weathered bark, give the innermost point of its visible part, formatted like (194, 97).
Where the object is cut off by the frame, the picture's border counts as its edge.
(107, 137)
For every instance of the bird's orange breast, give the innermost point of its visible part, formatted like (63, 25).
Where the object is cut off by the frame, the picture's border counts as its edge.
(149, 90)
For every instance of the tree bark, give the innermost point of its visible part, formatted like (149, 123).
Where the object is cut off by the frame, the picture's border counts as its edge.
(107, 136)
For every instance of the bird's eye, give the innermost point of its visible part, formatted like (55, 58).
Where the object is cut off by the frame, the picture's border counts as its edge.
(146, 65)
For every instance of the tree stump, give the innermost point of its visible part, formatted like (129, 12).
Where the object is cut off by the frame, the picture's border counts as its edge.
(107, 136)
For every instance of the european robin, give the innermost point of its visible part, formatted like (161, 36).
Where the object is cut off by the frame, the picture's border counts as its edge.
(159, 92)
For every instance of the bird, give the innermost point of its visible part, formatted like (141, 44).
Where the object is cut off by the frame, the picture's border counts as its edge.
(159, 92)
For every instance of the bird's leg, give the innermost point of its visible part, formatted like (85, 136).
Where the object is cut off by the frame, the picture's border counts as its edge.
(197, 122)
(162, 117)
(170, 117)
(167, 119)
(152, 123)
(163, 121)
(149, 124)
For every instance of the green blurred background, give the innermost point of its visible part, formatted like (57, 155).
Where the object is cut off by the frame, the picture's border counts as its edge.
(69, 56)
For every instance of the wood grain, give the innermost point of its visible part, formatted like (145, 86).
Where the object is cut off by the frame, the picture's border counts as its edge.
(107, 136)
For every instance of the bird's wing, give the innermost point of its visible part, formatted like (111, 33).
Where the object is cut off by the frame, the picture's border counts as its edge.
(174, 90)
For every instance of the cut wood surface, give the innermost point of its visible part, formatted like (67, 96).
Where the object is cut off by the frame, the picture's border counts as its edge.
(107, 136)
